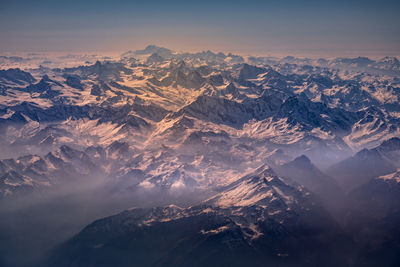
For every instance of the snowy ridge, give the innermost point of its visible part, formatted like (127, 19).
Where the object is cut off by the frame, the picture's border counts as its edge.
(190, 117)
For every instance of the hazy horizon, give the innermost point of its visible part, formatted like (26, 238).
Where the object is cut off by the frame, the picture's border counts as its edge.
(309, 28)
(312, 54)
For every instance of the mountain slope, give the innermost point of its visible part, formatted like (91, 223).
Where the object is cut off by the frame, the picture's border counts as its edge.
(302, 171)
(373, 216)
(367, 164)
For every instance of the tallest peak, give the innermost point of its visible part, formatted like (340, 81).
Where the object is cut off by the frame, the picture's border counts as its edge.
(151, 49)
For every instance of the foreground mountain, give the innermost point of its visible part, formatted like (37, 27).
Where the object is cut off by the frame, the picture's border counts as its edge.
(257, 220)
(374, 219)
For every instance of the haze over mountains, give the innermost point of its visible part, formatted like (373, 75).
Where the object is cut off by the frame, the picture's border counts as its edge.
(271, 159)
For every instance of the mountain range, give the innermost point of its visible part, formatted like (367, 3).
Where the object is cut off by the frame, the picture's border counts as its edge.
(227, 159)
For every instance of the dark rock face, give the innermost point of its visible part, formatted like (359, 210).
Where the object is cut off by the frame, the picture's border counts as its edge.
(154, 58)
(16, 75)
(74, 82)
(250, 72)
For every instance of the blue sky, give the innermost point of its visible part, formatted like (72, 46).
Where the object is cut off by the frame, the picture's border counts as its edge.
(253, 27)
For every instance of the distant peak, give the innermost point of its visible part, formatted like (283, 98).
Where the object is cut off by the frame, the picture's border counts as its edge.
(302, 159)
(181, 64)
(391, 144)
(150, 49)
(151, 46)
(302, 162)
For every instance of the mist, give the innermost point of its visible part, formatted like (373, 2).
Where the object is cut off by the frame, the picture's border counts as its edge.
(33, 225)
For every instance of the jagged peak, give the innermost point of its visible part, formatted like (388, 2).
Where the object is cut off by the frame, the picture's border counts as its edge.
(303, 159)
(262, 187)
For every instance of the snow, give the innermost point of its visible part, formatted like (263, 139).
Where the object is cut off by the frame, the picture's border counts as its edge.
(395, 176)
(246, 146)
(279, 132)
(215, 231)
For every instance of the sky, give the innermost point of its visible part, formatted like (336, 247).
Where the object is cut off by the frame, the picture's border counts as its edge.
(320, 27)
